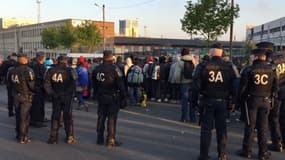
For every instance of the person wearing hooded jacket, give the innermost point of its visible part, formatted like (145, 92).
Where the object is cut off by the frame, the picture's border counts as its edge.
(187, 110)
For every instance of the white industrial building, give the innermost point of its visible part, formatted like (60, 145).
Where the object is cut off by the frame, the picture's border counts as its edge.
(273, 31)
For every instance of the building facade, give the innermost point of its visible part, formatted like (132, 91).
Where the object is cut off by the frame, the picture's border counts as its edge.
(273, 31)
(128, 28)
(28, 37)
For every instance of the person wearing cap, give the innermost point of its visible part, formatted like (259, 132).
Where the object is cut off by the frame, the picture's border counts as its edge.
(214, 81)
(37, 113)
(4, 68)
(273, 117)
(258, 84)
(22, 82)
(60, 82)
(110, 90)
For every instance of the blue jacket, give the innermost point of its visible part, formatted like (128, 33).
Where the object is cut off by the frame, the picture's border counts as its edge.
(82, 76)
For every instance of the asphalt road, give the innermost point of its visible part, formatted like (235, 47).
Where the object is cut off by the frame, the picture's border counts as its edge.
(151, 133)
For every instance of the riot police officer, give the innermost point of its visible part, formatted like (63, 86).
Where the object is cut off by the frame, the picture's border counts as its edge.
(110, 88)
(257, 86)
(21, 79)
(37, 109)
(4, 68)
(273, 117)
(214, 81)
(60, 85)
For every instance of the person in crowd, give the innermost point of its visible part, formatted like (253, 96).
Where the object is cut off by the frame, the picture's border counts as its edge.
(155, 79)
(163, 78)
(60, 82)
(213, 80)
(110, 90)
(22, 81)
(147, 70)
(81, 85)
(37, 113)
(8, 64)
(258, 83)
(134, 81)
(183, 76)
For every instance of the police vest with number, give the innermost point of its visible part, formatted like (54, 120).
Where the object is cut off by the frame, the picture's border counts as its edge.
(216, 79)
(260, 80)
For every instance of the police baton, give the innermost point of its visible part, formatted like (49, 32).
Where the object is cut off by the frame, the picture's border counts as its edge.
(247, 114)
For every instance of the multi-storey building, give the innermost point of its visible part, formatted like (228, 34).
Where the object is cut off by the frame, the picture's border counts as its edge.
(128, 28)
(273, 31)
(28, 37)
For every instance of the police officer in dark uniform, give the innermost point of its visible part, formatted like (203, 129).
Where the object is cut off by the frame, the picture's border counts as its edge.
(214, 81)
(258, 84)
(60, 83)
(273, 117)
(8, 64)
(37, 110)
(110, 88)
(21, 79)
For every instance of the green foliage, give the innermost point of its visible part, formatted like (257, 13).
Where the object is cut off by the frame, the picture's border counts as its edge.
(88, 35)
(250, 45)
(66, 36)
(50, 38)
(209, 18)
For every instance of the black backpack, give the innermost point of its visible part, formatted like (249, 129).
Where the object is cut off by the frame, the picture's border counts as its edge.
(150, 69)
(188, 69)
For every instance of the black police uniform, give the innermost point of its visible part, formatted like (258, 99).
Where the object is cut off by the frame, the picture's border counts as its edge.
(274, 115)
(3, 73)
(274, 125)
(214, 81)
(258, 84)
(21, 79)
(110, 88)
(37, 110)
(280, 69)
(60, 85)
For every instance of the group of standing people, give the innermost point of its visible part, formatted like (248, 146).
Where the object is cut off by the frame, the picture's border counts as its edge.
(258, 92)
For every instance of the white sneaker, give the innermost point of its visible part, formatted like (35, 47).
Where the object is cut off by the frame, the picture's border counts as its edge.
(159, 100)
(165, 100)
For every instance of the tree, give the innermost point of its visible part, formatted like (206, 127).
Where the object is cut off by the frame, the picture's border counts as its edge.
(66, 36)
(88, 35)
(209, 18)
(50, 38)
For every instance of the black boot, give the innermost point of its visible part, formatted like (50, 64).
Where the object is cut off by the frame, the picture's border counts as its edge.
(244, 153)
(53, 133)
(264, 156)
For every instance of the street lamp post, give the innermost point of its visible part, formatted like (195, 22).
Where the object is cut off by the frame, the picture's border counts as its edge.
(103, 30)
(231, 30)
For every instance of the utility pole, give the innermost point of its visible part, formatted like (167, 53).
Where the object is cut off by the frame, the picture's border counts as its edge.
(38, 11)
(103, 27)
(231, 30)
(104, 40)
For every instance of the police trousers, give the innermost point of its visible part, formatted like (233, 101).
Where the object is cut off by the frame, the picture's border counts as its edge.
(107, 108)
(22, 107)
(274, 124)
(213, 114)
(60, 104)
(37, 109)
(258, 110)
